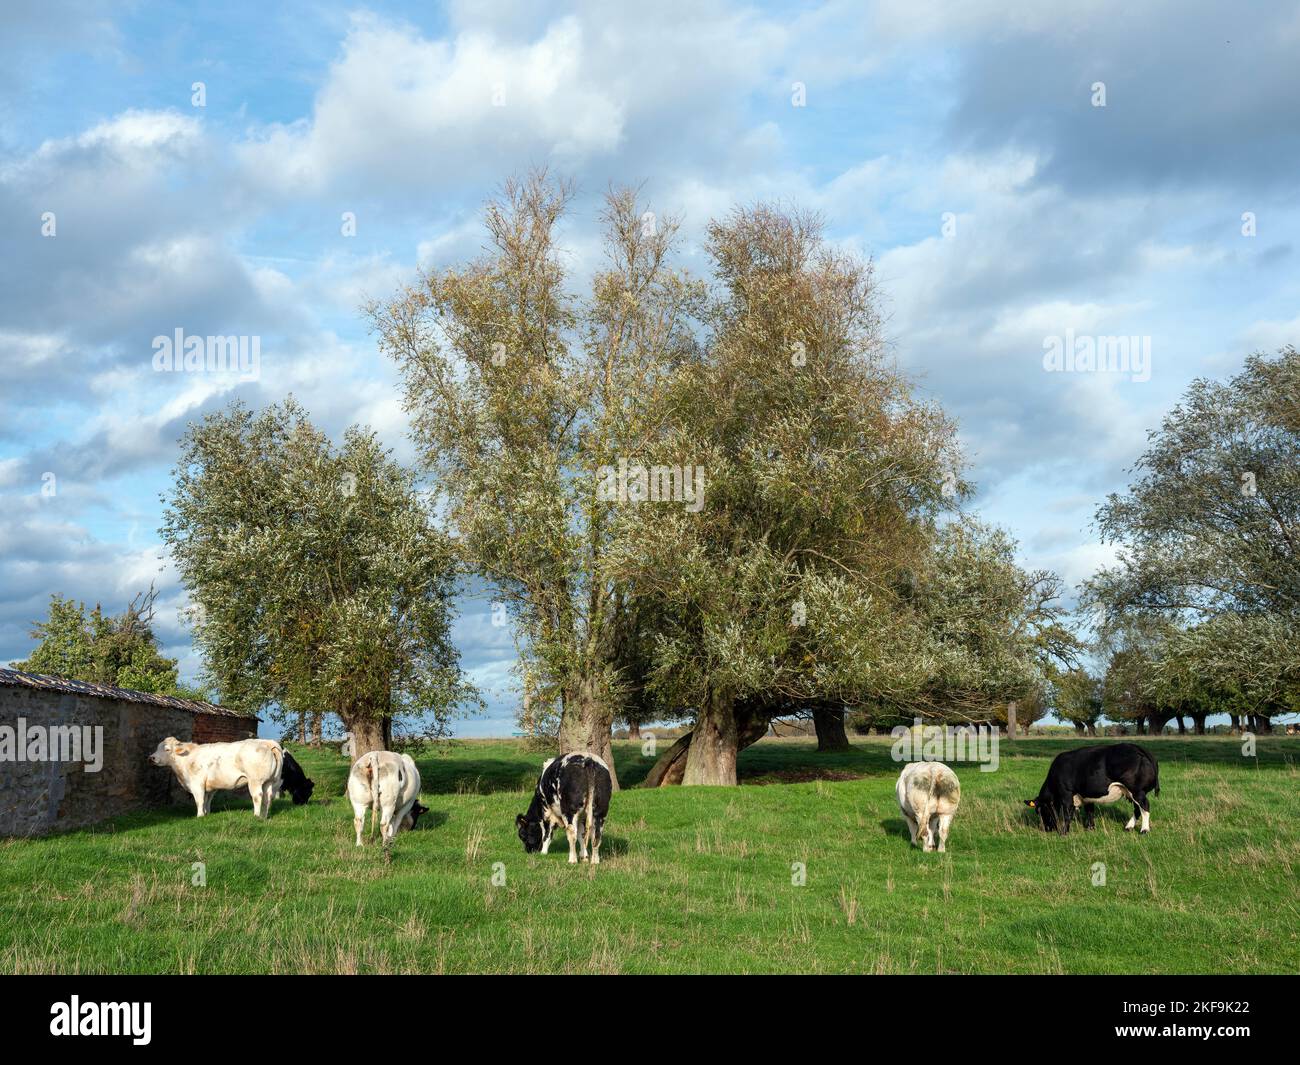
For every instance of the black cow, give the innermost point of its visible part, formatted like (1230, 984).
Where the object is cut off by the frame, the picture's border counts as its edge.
(1080, 778)
(294, 780)
(569, 786)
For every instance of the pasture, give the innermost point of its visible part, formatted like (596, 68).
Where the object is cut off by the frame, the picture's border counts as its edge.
(692, 879)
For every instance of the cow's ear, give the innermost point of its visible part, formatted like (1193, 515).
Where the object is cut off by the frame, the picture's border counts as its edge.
(1029, 802)
(519, 820)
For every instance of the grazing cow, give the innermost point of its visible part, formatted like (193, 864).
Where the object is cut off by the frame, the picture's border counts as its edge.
(206, 768)
(389, 784)
(1082, 778)
(295, 781)
(928, 795)
(570, 786)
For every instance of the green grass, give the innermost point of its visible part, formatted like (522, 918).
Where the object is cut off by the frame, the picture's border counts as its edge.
(693, 879)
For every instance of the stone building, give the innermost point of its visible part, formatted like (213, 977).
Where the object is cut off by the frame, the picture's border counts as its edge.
(73, 753)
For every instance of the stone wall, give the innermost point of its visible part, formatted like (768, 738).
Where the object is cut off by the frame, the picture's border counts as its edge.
(45, 796)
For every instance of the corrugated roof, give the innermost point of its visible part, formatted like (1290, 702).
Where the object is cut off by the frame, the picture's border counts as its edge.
(17, 678)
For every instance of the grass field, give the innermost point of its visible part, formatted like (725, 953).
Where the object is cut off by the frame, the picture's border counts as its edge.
(693, 880)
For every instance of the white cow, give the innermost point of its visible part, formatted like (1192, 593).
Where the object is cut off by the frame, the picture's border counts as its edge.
(205, 768)
(928, 795)
(389, 784)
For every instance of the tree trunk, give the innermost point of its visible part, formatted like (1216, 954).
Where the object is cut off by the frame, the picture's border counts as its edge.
(586, 724)
(1198, 722)
(829, 723)
(751, 726)
(1182, 725)
(711, 759)
(316, 721)
(302, 728)
(367, 735)
(634, 731)
(1081, 728)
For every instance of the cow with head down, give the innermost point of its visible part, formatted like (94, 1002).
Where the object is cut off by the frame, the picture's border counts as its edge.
(1080, 779)
(388, 785)
(206, 768)
(297, 783)
(572, 788)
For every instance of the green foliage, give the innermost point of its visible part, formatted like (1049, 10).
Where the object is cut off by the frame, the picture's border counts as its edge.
(1204, 605)
(1212, 522)
(118, 650)
(1077, 696)
(322, 582)
(518, 394)
(822, 477)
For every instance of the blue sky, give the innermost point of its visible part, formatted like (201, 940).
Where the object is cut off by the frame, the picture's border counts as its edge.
(226, 219)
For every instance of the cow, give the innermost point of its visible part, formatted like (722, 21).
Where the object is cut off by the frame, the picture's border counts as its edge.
(295, 781)
(1088, 776)
(928, 796)
(206, 768)
(570, 786)
(389, 785)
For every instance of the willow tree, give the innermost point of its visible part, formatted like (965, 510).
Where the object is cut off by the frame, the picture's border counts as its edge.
(520, 395)
(320, 582)
(1211, 523)
(1247, 666)
(821, 476)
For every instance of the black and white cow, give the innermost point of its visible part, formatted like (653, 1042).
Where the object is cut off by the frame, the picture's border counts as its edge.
(1081, 778)
(570, 786)
(295, 781)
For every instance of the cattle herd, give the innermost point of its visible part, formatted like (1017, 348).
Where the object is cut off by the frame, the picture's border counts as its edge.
(573, 791)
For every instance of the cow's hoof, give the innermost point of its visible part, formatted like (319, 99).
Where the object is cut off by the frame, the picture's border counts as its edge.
(573, 861)
(1144, 832)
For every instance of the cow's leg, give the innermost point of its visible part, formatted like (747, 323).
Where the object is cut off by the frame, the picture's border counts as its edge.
(945, 822)
(548, 831)
(571, 830)
(357, 822)
(595, 842)
(1141, 801)
(201, 799)
(1087, 814)
(255, 793)
(585, 838)
(912, 826)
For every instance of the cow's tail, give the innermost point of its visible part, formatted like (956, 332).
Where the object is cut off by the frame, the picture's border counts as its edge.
(1155, 768)
(929, 804)
(591, 806)
(278, 778)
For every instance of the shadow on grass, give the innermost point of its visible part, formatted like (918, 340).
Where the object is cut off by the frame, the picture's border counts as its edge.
(896, 826)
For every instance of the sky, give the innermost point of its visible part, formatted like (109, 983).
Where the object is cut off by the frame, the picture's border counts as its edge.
(1018, 172)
